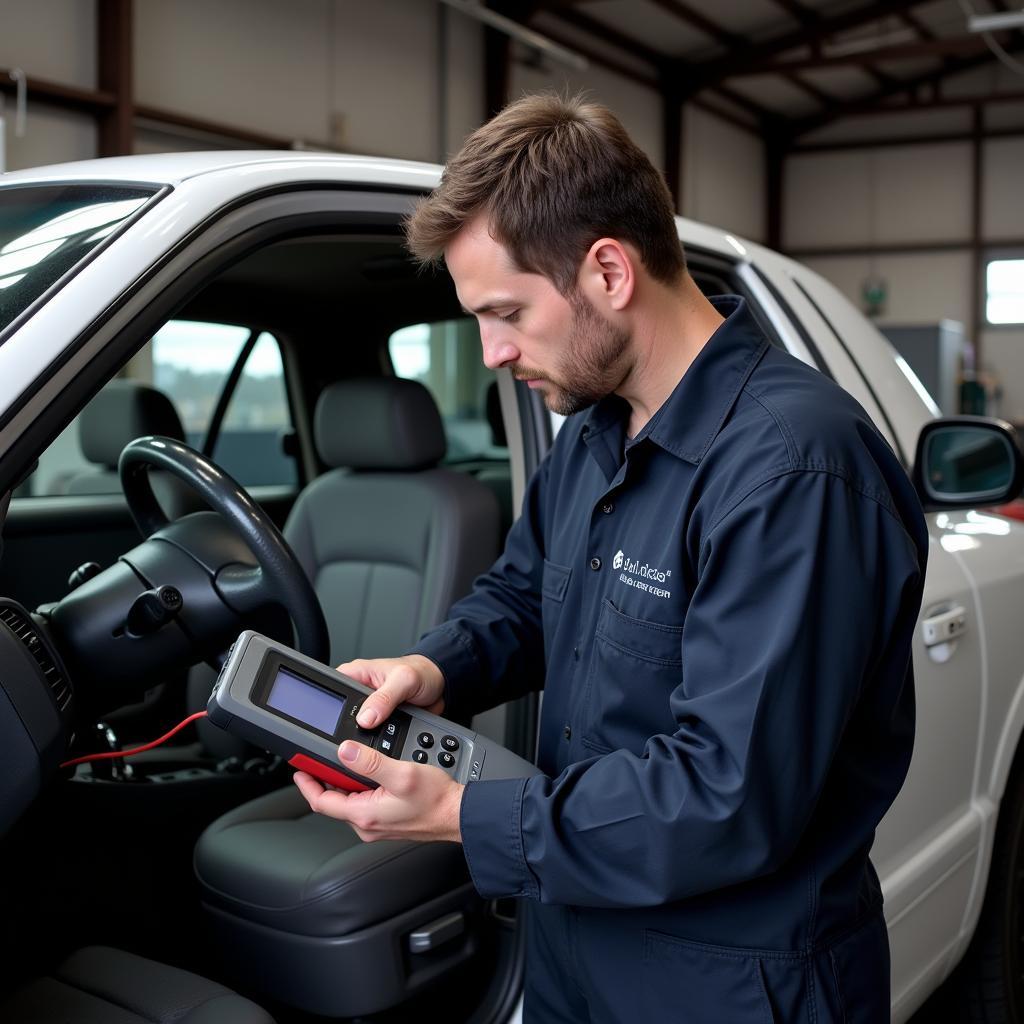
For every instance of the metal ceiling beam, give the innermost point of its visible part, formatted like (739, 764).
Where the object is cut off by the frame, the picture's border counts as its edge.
(808, 17)
(949, 102)
(904, 140)
(797, 11)
(67, 97)
(957, 45)
(498, 52)
(733, 41)
(875, 102)
(700, 22)
(114, 67)
(717, 70)
(651, 80)
(672, 74)
(917, 25)
(672, 143)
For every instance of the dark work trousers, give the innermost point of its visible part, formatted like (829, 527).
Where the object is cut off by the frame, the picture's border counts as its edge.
(581, 968)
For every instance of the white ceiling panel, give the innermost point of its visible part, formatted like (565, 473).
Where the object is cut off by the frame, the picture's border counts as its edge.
(846, 81)
(945, 17)
(723, 103)
(651, 25)
(548, 23)
(913, 124)
(777, 94)
(910, 69)
(751, 18)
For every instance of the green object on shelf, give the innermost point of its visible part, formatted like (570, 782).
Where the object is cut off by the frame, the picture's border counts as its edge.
(973, 400)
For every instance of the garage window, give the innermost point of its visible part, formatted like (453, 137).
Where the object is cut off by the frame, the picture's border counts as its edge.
(1004, 292)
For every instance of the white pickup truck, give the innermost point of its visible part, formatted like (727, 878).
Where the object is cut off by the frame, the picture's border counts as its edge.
(212, 273)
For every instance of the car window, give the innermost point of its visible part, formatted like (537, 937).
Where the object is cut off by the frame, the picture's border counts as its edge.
(45, 230)
(192, 363)
(445, 356)
(250, 442)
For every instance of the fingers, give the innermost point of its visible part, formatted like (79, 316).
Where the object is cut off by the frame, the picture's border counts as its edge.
(400, 683)
(360, 669)
(393, 776)
(330, 802)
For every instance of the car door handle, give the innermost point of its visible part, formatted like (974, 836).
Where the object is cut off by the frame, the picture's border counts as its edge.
(945, 626)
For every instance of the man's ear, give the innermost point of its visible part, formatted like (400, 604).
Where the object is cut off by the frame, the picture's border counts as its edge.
(608, 274)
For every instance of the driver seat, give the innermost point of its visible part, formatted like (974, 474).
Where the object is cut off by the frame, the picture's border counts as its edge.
(122, 411)
(98, 985)
(299, 906)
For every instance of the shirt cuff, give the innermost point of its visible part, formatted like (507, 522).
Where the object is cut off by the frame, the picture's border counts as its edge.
(490, 819)
(454, 656)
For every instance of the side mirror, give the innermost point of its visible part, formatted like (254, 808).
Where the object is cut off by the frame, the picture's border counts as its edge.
(967, 462)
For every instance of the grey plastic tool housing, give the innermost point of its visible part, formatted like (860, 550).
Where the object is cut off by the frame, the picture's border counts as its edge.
(237, 705)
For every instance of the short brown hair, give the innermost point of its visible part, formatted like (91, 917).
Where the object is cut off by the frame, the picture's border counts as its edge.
(552, 174)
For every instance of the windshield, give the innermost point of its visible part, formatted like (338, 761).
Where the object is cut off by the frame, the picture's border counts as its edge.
(45, 230)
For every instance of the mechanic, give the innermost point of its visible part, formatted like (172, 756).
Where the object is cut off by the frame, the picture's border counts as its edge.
(716, 577)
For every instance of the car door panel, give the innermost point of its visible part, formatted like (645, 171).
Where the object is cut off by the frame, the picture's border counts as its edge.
(928, 845)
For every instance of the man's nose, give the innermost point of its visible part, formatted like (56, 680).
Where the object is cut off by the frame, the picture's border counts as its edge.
(498, 351)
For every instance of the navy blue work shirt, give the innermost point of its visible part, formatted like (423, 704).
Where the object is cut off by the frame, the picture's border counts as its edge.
(720, 611)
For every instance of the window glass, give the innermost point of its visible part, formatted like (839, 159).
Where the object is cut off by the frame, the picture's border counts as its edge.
(190, 362)
(250, 443)
(46, 229)
(1004, 288)
(446, 358)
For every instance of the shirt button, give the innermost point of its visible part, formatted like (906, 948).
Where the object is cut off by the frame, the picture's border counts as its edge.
(576, 653)
(567, 732)
(595, 564)
(608, 508)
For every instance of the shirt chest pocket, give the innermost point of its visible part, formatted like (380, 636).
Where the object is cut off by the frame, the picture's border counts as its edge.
(635, 665)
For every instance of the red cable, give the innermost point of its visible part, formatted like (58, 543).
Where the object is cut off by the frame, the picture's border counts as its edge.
(135, 750)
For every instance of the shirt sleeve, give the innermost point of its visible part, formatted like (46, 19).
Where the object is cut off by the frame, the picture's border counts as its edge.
(491, 648)
(806, 597)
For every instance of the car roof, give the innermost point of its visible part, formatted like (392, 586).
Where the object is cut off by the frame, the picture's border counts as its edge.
(237, 165)
(173, 168)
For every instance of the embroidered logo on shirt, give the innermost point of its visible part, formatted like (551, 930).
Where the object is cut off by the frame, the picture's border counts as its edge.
(648, 575)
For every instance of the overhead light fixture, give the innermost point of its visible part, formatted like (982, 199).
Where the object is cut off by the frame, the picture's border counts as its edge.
(521, 33)
(995, 22)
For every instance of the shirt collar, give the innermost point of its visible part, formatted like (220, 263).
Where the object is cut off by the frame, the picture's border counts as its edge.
(690, 418)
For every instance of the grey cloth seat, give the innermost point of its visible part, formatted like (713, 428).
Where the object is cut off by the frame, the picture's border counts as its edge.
(302, 907)
(121, 412)
(98, 985)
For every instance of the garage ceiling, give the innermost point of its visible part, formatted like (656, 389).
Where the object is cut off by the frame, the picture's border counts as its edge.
(789, 67)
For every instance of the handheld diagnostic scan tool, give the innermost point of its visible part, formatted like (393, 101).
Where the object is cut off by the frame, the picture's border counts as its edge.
(295, 707)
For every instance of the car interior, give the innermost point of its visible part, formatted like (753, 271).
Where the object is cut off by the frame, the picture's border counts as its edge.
(341, 388)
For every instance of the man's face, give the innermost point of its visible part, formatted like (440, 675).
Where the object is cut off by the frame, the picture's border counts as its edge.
(561, 346)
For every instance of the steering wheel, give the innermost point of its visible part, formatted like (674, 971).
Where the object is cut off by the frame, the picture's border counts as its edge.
(192, 584)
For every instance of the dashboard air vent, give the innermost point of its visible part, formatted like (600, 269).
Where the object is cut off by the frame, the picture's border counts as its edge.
(24, 629)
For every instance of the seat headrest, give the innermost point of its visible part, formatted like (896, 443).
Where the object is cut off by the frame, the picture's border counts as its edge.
(378, 423)
(121, 412)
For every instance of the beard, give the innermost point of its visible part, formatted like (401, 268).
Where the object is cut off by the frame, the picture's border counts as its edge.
(595, 363)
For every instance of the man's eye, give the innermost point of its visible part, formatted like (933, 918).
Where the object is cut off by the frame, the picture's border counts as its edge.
(510, 318)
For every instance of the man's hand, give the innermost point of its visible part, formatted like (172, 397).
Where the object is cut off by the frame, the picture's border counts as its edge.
(414, 801)
(413, 679)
